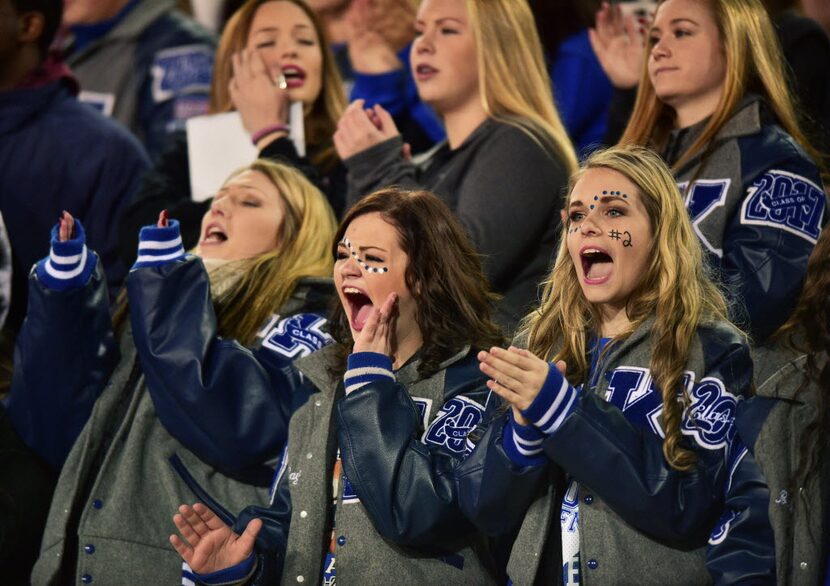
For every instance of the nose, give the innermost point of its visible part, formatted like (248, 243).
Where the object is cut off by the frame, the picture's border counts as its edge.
(350, 267)
(423, 44)
(220, 207)
(288, 49)
(660, 49)
(589, 226)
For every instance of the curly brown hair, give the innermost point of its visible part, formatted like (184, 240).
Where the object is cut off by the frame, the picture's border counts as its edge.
(453, 303)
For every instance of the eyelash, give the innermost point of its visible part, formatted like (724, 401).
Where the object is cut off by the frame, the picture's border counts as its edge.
(611, 212)
(269, 44)
(340, 255)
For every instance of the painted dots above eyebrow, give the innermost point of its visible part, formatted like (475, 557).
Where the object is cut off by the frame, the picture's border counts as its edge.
(361, 262)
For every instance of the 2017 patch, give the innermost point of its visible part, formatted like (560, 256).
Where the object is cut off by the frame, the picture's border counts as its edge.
(457, 417)
(181, 70)
(785, 201)
(297, 336)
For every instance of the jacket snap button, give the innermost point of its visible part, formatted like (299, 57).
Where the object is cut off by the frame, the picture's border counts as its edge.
(588, 499)
(86, 578)
(97, 503)
(803, 565)
(300, 579)
(303, 514)
(89, 548)
(308, 456)
(593, 564)
(341, 540)
(317, 403)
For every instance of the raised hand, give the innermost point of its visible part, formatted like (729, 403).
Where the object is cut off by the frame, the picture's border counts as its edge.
(209, 544)
(369, 50)
(256, 92)
(357, 130)
(379, 332)
(517, 376)
(67, 227)
(619, 45)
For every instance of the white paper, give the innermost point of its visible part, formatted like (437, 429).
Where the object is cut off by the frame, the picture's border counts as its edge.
(296, 120)
(217, 145)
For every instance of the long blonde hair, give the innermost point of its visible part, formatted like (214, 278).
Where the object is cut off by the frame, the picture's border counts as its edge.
(508, 48)
(303, 251)
(675, 289)
(754, 63)
(321, 120)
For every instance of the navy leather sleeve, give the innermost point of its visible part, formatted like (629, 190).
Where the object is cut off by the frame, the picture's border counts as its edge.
(64, 356)
(407, 485)
(229, 405)
(742, 546)
(627, 469)
(767, 242)
(493, 492)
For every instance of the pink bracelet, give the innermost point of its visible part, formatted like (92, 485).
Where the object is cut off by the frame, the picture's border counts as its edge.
(262, 133)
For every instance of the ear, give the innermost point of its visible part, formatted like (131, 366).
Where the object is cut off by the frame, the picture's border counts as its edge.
(31, 27)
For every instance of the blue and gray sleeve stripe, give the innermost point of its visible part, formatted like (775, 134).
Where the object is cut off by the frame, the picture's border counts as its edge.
(69, 264)
(523, 443)
(553, 404)
(366, 367)
(158, 246)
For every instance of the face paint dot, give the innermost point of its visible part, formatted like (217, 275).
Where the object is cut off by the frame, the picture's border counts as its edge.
(604, 193)
(596, 197)
(625, 195)
(592, 206)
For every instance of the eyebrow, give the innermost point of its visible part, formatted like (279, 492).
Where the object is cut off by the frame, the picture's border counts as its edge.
(442, 20)
(675, 21)
(274, 29)
(362, 248)
(604, 199)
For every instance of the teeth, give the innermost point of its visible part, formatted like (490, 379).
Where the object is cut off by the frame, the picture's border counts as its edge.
(351, 290)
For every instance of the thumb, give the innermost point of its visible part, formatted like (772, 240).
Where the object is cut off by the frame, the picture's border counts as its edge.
(562, 367)
(407, 152)
(247, 540)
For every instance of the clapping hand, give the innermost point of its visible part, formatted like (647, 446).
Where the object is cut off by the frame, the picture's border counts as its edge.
(619, 45)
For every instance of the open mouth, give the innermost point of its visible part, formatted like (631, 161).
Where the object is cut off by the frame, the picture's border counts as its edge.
(424, 71)
(596, 265)
(360, 307)
(294, 76)
(214, 235)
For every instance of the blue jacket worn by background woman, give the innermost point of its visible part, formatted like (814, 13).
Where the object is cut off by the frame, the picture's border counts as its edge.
(757, 205)
(630, 506)
(172, 387)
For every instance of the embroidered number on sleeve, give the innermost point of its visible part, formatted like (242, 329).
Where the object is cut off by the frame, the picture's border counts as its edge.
(458, 417)
(711, 416)
(297, 336)
(785, 201)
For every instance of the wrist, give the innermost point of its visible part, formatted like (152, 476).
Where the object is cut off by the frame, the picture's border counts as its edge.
(366, 367)
(69, 264)
(159, 245)
(267, 132)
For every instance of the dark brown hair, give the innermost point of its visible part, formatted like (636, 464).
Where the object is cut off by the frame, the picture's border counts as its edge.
(444, 276)
(808, 330)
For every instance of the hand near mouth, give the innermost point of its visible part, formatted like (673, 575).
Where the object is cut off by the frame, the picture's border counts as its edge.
(516, 375)
(378, 333)
(260, 101)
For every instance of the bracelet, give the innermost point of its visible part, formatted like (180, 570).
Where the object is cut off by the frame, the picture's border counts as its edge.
(260, 134)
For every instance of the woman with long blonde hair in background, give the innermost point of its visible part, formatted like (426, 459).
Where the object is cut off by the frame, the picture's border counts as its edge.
(193, 389)
(507, 157)
(714, 101)
(622, 406)
(263, 40)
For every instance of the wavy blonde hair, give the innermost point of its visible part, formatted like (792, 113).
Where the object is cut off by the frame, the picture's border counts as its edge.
(321, 119)
(675, 289)
(754, 63)
(508, 48)
(303, 250)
